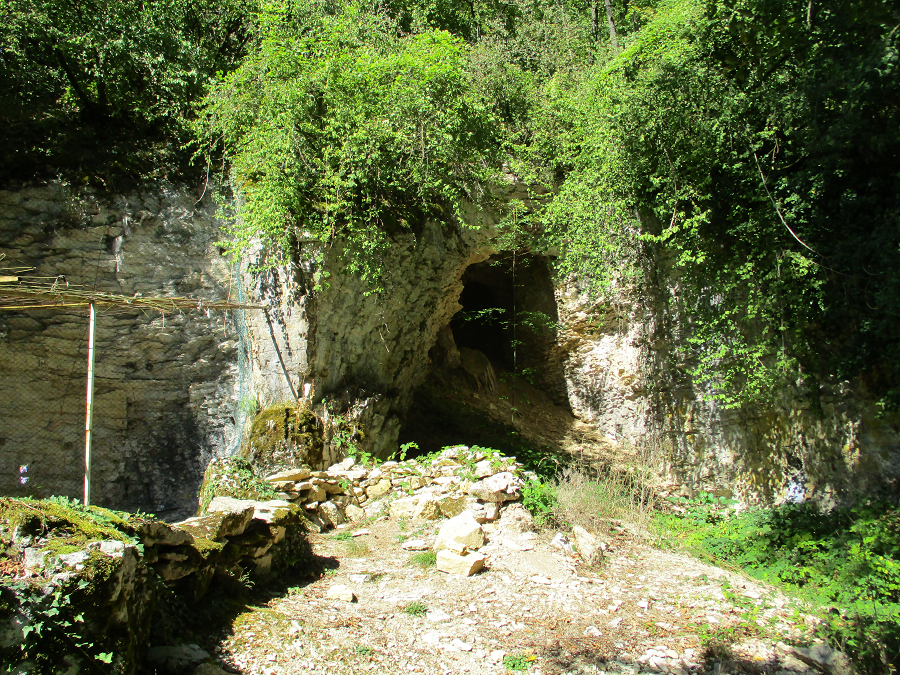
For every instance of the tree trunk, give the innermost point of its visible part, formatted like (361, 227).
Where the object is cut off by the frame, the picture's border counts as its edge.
(612, 28)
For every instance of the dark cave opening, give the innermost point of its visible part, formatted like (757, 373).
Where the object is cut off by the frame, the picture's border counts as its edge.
(508, 318)
(509, 314)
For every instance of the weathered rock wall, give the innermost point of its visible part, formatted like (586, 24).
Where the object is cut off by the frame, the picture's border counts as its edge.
(166, 387)
(171, 392)
(624, 376)
(365, 353)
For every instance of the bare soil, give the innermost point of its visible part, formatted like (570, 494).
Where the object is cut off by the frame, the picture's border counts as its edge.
(642, 610)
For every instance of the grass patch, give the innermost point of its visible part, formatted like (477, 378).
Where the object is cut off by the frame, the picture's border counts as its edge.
(846, 561)
(356, 549)
(596, 499)
(415, 608)
(342, 536)
(518, 662)
(425, 559)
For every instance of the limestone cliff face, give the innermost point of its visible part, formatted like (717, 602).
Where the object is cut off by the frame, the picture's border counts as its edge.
(362, 354)
(623, 375)
(173, 392)
(166, 387)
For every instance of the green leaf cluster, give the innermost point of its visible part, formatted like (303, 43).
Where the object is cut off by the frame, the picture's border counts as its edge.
(747, 149)
(846, 561)
(341, 131)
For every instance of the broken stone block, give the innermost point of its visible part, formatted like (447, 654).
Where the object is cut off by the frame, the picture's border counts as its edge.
(451, 506)
(218, 524)
(354, 513)
(417, 507)
(463, 530)
(491, 511)
(331, 514)
(300, 473)
(341, 592)
(465, 565)
(380, 489)
(501, 487)
(157, 532)
(516, 518)
(483, 469)
(34, 558)
(415, 545)
(589, 547)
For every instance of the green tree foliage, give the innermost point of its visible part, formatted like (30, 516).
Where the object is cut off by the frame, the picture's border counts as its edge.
(107, 85)
(752, 147)
(749, 149)
(339, 130)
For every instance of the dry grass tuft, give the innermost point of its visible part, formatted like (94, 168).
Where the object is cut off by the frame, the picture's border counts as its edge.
(597, 499)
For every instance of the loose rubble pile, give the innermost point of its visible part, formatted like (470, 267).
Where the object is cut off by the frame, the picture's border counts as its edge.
(534, 603)
(456, 480)
(496, 592)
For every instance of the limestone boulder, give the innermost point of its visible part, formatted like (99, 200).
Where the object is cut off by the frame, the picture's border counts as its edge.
(465, 565)
(501, 487)
(354, 512)
(461, 530)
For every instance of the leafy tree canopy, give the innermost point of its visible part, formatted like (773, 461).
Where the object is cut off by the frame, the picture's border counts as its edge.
(750, 149)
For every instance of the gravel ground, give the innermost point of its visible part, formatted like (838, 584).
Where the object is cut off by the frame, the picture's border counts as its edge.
(534, 607)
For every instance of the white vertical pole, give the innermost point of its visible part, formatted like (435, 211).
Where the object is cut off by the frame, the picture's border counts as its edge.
(88, 421)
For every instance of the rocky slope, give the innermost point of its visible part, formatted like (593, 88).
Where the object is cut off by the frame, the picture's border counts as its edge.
(543, 601)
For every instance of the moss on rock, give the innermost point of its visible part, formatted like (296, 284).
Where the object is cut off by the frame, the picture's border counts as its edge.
(232, 477)
(65, 523)
(283, 437)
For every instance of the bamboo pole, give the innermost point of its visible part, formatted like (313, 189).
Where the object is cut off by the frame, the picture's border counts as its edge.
(89, 415)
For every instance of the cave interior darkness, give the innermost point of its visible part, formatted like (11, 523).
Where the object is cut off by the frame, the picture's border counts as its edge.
(509, 314)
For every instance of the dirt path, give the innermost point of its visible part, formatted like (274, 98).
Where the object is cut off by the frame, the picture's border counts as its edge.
(534, 607)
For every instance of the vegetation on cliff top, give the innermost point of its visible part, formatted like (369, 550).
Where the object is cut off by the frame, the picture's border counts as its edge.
(749, 147)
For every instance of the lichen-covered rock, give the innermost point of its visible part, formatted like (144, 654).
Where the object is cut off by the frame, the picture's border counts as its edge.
(215, 526)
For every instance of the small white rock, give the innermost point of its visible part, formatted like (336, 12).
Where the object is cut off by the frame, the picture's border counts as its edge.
(341, 592)
(415, 545)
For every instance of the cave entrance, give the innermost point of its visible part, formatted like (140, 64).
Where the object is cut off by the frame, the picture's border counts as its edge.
(497, 356)
(509, 314)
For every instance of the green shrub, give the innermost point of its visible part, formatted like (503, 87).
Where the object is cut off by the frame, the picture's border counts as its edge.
(540, 498)
(232, 477)
(846, 561)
